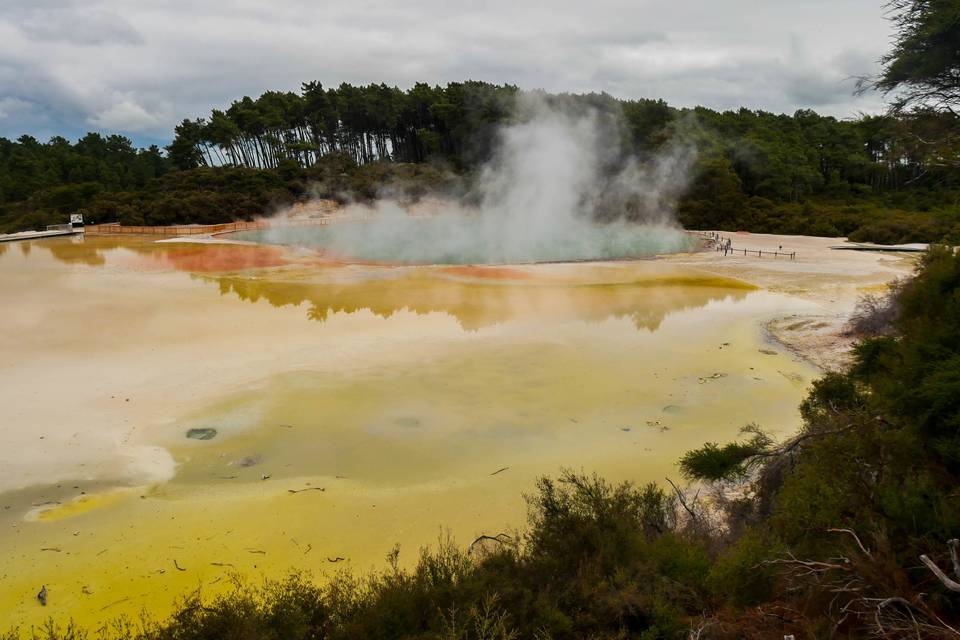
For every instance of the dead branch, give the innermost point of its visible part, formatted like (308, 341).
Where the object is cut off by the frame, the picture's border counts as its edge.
(683, 501)
(500, 538)
(808, 567)
(793, 443)
(855, 537)
(947, 582)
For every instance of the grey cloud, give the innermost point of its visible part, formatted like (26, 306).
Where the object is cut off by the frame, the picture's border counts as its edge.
(79, 26)
(141, 67)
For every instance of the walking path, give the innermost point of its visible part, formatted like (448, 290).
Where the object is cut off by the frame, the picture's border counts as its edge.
(33, 235)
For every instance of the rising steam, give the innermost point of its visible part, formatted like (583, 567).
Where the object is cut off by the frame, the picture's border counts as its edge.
(558, 187)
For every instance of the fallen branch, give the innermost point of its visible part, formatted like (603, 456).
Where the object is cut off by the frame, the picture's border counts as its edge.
(499, 470)
(178, 567)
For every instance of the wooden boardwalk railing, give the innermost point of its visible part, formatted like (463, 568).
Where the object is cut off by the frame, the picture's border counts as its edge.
(725, 246)
(731, 250)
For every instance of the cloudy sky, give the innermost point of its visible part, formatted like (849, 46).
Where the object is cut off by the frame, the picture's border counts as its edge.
(136, 67)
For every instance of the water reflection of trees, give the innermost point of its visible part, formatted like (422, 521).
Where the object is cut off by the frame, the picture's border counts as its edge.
(92, 251)
(475, 302)
(480, 304)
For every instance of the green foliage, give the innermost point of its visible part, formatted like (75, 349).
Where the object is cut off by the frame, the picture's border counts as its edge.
(830, 394)
(925, 62)
(713, 463)
(739, 576)
(877, 456)
(874, 179)
(42, 183)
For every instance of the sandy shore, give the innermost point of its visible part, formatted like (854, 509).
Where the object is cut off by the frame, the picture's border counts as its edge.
(831, 279)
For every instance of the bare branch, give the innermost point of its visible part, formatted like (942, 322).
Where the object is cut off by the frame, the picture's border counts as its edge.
(855, 537)
(683, 501)
(950, 584)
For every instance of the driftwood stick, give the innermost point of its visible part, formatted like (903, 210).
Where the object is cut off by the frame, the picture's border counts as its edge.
(306, 489)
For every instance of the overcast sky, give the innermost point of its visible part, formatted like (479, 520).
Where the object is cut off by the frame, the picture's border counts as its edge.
(139, 67)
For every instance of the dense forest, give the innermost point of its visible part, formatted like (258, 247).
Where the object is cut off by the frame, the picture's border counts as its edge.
(845, 530)
(887, 178)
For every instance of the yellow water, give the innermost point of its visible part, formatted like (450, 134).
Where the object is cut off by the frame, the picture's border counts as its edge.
(356, 406)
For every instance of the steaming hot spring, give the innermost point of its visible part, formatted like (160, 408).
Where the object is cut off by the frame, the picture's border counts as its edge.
(558, 187)
(392, 235)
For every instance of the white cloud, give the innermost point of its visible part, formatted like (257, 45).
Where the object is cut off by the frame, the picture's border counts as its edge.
(141, 67)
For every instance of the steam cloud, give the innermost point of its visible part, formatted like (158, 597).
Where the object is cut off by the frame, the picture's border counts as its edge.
(557, 188)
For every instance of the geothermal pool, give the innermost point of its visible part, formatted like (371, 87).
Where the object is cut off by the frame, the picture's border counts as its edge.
(477, 239)
(352, 407)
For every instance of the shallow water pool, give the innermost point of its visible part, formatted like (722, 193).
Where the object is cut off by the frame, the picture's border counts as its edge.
(355, 407)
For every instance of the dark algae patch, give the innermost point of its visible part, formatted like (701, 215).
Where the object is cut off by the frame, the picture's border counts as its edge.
(203, 433)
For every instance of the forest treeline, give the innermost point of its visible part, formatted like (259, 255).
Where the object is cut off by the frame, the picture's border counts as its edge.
(890, 178)
(845, 530)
